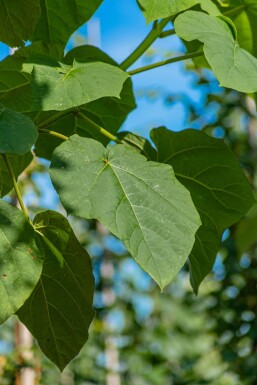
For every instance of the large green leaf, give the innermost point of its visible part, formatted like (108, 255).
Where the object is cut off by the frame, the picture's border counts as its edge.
(154, 10)
(246, 231)
(18, 20)
(19, 163)
(141, 202)
(59, 311)
(60, 18)
(108, 112)
(233, 66)
(20, 261)
(17, 132)
(219, 188)
(64, 87)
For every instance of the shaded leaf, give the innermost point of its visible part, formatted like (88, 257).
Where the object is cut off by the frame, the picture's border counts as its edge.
(18, 20)
(61, 88)
(17, 132)
(19, 163)
(20, 261)
(59, 311)
(219, 188)
(233, 66)
(141, 202)
(60, 19)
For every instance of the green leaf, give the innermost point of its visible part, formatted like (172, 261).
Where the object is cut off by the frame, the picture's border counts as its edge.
(18, 20)
(59, 311)
(140, 202)
(17, 132)
(219, 188)
(233, 66)
(60, 19)
(66, 87)
(19, 163)
(154, 10)
(20, 261)
(108, 112)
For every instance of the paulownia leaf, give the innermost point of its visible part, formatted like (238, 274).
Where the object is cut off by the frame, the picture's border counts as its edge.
(108, 112)
(18, 20)
(19, 163)
(219, 188)
(59, 311)
(61, 88)
(20, 261)
(154, 10)
(141, 202)
(60, 18)
(17, 132)
(234, 67)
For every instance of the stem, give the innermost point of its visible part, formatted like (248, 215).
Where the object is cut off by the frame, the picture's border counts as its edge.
(98, 128)
(146, 43)
(169, 32)
(15, 185)
(53, 133)
(165, 62)
(54, 118)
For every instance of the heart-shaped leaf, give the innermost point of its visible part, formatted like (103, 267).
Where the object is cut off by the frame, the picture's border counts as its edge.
(233, 66)
(141, 202)
(59, 311)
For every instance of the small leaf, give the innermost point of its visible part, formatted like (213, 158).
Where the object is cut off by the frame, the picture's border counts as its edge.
(59, 311)
(59, 20)
(17, 132)
(20, 260)
(233, 66)
(18, 20)
(141, 202)
(66, 87)
(219, 188)
(19, 163)
(246, 232)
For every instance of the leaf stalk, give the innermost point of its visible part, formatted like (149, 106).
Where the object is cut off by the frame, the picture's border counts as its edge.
(15, 185)
(165, 62)
(144, 45)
